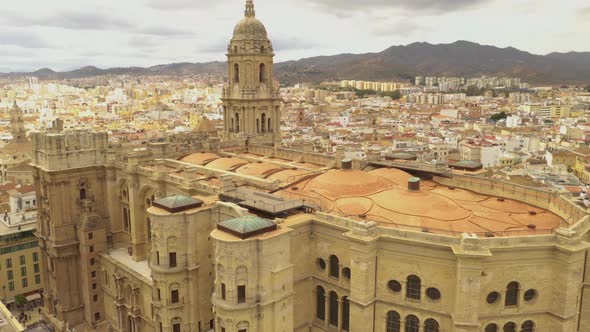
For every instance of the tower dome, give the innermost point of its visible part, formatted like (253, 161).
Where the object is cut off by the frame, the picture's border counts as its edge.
(250, 28)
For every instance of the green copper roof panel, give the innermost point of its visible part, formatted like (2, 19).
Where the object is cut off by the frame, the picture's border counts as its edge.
(247, 226)
(178, 203)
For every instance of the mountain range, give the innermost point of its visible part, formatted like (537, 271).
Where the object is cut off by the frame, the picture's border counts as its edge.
(461, 58)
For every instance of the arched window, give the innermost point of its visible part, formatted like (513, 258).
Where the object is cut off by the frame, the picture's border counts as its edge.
(413, 285)
(237, 117)
(176, 322)
(262, 73)
(491, 328)
(334, 266)
(528, 326)
(263, 121)
(126, 219)
(431, 325)
(345, 314)
(412, 324)
(512, 291)
(174, 293)
(241, 282)
(321, 303)
(393, 322)
(333, 308)
(510, 327)
(82, 193)
(236, 73)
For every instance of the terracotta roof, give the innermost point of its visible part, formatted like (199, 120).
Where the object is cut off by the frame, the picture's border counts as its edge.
(382, 195)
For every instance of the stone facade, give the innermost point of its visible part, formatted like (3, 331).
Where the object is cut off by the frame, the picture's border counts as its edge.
(117, 260)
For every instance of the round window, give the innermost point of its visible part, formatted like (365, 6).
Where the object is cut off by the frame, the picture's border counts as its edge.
(322, 263)
(394, 285)
(530, 294)
(493, 297)
(433, 293)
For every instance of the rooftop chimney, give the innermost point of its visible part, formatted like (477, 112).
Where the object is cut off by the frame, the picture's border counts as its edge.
(414, 184)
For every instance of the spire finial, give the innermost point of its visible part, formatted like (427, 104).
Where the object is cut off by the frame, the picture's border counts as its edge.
(250, 9)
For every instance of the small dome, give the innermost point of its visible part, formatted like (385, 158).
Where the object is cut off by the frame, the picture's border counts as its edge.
(250, 28)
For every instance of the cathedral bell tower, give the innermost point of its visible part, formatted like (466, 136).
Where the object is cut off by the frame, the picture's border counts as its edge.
(251, 101)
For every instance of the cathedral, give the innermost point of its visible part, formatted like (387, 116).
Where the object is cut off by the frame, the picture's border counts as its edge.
(239, 234)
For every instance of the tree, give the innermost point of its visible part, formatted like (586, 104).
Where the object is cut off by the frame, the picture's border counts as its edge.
(473, 90)
(20, 299)
(499, 116)
(395, 95)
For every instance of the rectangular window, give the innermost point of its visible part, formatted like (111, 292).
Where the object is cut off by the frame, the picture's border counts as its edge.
(242, 294)
(172, 259)
(176, 327)
(223, 291)
(37, 279)
(35, 257)
(174, 296)
(93, 274)
(94, 286)
(159, 294)
(8, 263)
(9, 274)
(91, 248)
(11, 286)
(157, 258)
(95, 298)
(90, 236)
(25, 282)
(97, 316)
(36, 268)
(23, 271)
(92, 261)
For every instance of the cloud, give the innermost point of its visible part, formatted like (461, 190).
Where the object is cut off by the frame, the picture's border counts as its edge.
(350, 7)
(67, 20)
(403, 27)
(284, 43)
(181, 4)
(162, 31)
(22, 39)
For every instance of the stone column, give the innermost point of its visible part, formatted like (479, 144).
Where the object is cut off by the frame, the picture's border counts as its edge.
(467, 294)
(340, 314)
(326, 309)
(363, 263)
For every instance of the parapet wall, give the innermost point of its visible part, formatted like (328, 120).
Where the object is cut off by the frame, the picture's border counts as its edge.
(554, 201)
(294, 155)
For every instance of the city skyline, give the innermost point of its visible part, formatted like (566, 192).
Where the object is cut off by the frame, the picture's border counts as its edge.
(62, 36)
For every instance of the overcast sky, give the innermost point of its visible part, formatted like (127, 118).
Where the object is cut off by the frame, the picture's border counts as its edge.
(68, 34)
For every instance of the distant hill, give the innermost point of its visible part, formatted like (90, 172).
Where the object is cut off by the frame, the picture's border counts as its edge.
(460, 58)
